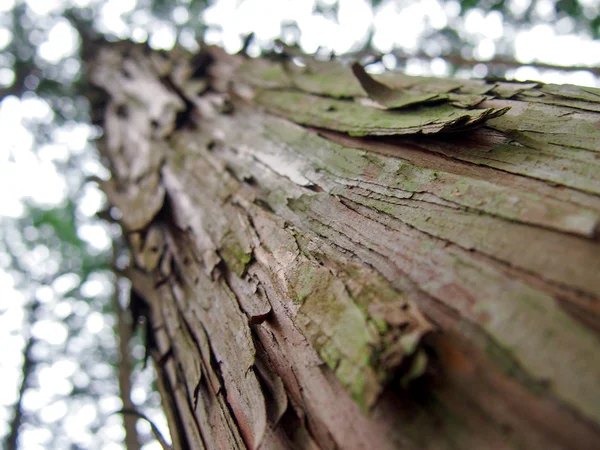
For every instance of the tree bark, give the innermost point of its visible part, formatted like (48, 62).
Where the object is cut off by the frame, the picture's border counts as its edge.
(327, 259)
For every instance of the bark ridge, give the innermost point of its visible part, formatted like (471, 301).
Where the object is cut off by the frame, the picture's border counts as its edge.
(330, 259)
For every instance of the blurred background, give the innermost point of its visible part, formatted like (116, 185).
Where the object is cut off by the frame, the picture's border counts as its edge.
(66, 357)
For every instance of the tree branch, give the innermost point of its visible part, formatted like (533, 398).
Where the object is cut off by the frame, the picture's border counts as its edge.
(458, 60)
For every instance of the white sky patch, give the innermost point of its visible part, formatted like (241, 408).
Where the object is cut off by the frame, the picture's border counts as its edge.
(528, 73)
(541, 43)
(95, 235)
(313, 28)
(416, 66)
(474, 21)
(163, 37)
(37, 109)
(43, 7)
(545, 9)
(190, 42)
(94, 167)
(83, 3)
(92, 288)
(51, 331)
(389, 61)
(485, 50)
(75, 136)
(7, 291)
(12, 346)
(376, 68)
(66, 282)
(452, 9)
(8, 390)
(397, 25)
(110, 403)
(5, 416)
(95, 322)
(139, 395)
(11, 319)
(34, 439)
(180, 15)
(6, 5)
(61, 42)
(110, 16)
(9, 205)
(35, 399)
(355, 17)
(565, 25)
(5, 37)
(54, 411)
(7, 76)
(264, 18)
(53, 153)
(63, 309)
(64, 368)
(580, 77)
(119, 7)
(22, 173)
(102, 370)
(518, 7)
(490, 25)
(44, 294)
(41, 182)
(81, 419)
(154, 445)
(92, 200)
(81, 380)
(10, 121)
(139, 35)
(399, 28)
(439, 67)
(116, 432)
(11, 322)
(55, 376)
(436, 15)
(494, 25)
(81, 308)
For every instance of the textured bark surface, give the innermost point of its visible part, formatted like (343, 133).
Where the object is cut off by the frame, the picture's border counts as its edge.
(327, 259)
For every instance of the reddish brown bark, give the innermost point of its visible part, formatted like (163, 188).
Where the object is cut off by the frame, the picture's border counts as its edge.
(308, 283)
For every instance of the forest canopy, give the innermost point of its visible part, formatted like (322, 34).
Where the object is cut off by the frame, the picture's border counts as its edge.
(60, 301)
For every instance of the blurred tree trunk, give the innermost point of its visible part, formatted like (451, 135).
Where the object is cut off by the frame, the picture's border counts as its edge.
(328, 260)
(124, 329)
(11, 441)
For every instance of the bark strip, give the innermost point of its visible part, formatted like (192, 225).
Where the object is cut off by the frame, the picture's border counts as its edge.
(325, 272)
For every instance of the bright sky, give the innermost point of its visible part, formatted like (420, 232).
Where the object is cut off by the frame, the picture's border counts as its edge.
(397, 24)
(31, 173)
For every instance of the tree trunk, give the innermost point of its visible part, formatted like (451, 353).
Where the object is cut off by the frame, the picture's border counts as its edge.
(326, 259)
(124, 329)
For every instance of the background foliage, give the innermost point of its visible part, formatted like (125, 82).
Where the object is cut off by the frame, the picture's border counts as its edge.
(59, 296)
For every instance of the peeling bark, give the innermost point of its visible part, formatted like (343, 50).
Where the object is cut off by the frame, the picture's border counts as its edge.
(334, 260)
